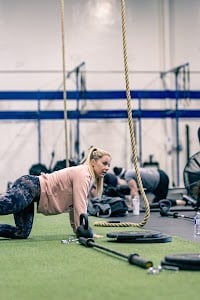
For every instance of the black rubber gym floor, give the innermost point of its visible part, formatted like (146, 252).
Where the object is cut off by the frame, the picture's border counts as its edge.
(180, 227)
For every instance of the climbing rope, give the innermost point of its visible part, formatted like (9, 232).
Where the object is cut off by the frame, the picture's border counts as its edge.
(132, 136)
(64, 80)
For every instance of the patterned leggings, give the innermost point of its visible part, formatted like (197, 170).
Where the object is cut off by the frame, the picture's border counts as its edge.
(19, 201)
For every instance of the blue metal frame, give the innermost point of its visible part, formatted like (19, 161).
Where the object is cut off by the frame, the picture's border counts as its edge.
(97, 114)
(77, 114)
(98, 95)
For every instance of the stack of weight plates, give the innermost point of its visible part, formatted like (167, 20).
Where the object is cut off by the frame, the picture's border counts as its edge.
(138, 237)
(185, 261)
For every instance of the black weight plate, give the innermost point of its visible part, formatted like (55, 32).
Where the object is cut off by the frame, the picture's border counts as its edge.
(143, 240)
(160, 239)
(186, 258)
(131, 239)
(181, 266)
(133, 234)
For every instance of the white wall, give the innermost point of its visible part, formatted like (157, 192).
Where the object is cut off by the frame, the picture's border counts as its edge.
(161, 35)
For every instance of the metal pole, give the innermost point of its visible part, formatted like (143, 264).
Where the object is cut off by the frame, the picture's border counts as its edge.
(39, 132)
(177, 131)
(176, 71)
(76, 70)
(77, 142)
(187, 142)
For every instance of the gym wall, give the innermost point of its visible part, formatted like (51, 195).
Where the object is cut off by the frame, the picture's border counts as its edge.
(159, 39)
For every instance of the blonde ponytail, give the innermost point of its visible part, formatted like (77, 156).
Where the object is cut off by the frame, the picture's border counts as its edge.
(96, 153)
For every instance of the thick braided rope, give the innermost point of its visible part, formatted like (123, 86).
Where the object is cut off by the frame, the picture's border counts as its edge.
(64, 79)
(132, 136)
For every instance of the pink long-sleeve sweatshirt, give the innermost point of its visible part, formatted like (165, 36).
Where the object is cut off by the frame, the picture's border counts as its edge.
(66, 190)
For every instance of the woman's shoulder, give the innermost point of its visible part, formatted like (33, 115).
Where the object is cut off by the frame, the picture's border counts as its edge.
(80, 173)
(80, 169)
(72, 168)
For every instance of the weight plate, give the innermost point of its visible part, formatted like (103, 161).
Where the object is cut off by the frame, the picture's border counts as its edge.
(133, 234)
(186, 258)
(159, 239)
(142, 240)
(181, 265)
(122, 238)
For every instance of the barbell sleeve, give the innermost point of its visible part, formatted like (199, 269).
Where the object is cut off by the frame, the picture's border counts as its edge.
(137, 260)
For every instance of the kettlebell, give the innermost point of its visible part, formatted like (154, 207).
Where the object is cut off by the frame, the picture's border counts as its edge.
(84, 230)
(165, 206)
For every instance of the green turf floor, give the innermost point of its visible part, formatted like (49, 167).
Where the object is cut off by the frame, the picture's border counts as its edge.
(43, 268)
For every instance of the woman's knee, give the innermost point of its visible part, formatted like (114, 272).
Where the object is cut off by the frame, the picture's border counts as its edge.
(21, 235)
